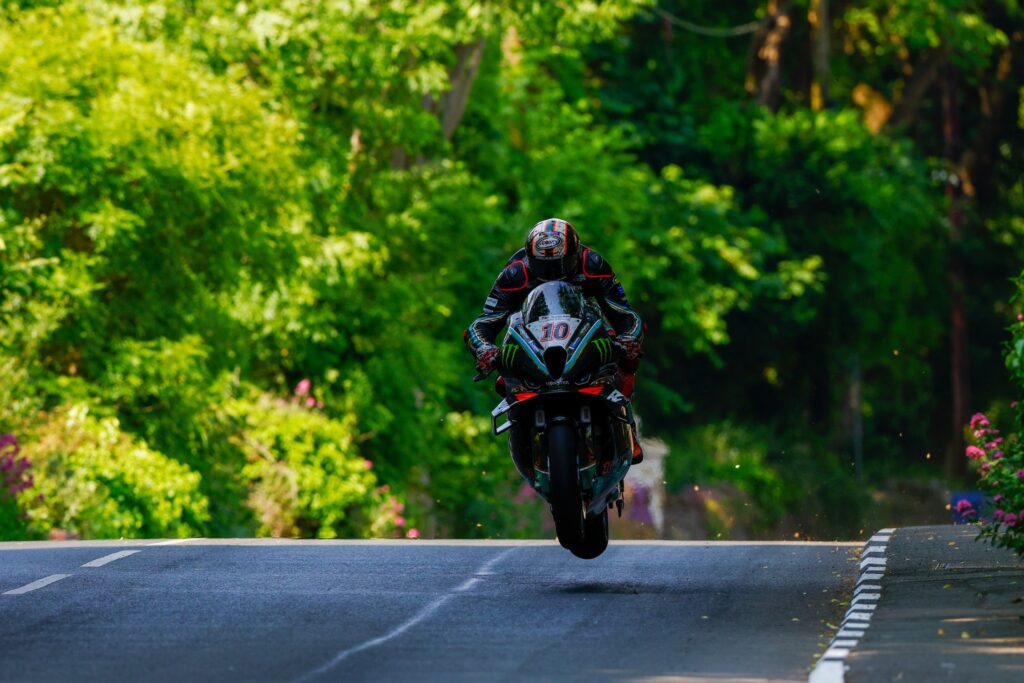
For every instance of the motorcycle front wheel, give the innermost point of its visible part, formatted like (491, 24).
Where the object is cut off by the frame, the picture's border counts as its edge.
(566, 502)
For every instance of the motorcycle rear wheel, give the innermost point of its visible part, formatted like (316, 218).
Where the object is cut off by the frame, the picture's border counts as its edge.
(566, 501)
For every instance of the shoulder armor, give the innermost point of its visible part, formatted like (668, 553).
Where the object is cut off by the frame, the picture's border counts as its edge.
(594, 265)
(514, 277)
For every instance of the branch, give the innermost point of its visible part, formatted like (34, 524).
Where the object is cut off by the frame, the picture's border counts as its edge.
(711, 31)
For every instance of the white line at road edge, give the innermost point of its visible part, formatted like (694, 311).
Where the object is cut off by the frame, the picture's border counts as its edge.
(107, 559)
(831, 668)
(423, 614)
(174, 541)
(53, 578)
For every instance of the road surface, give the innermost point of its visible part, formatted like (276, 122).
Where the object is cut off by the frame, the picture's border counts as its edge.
(205, 610)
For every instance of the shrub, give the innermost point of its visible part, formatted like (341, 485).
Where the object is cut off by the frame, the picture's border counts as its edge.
(93, 480)
(14, 478)
(306, 476)
(1000, 460)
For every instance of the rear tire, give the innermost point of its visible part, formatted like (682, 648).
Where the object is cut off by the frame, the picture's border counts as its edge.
(566, 502)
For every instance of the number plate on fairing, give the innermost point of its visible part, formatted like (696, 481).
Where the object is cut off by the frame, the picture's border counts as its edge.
(554, 330)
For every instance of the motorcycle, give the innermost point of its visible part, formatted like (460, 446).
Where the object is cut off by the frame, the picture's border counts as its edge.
(569, 426)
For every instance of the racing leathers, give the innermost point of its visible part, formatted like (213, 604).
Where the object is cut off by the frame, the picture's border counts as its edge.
(596, 280)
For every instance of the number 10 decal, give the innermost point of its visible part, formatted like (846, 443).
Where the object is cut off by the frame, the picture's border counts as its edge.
(554, 332)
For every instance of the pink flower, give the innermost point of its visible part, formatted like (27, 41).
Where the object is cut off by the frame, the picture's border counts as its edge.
(1020, 316)
(303, 387)
(320, 405)
(963, 506)
(994, 443)
(368, 464)
(1013, 404)
(412, 533)
(1020, 474)
(997, 455)
(984, 468)
(1010, 520)
(998, 514)
(973, 452)
(979, 420)
(399, 521)
(998, 497)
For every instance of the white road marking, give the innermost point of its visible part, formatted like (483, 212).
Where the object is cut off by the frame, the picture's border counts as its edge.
(869, 577)
(35, 585)
(174, 541)
(872, 562)
(422, 615)
(107, 559)
(831, 666)
(828, 671)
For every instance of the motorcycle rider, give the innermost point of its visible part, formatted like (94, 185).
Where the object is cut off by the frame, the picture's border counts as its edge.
(553, 252)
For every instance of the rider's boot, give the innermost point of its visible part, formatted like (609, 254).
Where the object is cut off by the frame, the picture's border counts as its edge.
(627, 383)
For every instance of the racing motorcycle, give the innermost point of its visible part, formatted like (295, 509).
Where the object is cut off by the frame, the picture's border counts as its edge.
(568, 424)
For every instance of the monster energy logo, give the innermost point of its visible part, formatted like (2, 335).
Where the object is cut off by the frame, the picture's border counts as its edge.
(508, 354)
(604, 347)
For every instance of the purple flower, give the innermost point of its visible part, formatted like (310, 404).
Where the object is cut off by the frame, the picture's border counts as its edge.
(963, 506)
(998, 497)
(1010, 520)
(997, 455)
(1020, 474)
(994, 443)
(998, 514)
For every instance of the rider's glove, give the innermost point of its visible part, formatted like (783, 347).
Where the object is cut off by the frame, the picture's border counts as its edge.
(486, 358)
(629, 345)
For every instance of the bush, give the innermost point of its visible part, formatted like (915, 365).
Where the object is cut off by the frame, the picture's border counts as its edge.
(1000, 460)
(14, 478)
(306, 476)
(93, 480)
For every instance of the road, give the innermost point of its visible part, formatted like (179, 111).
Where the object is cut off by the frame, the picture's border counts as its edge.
(305, 611)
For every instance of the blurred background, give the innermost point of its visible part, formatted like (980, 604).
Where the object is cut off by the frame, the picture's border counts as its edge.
(239, 242)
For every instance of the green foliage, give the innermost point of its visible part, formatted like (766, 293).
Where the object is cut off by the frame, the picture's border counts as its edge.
(205, 205)
(93, 480)
(780, 481)
(305, 477)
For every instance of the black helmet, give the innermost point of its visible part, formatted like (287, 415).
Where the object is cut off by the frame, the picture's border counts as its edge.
(552, 249)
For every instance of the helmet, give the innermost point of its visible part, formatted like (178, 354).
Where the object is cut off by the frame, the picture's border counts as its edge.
(552, 249)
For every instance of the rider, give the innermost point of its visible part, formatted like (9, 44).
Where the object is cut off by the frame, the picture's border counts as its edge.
(553, 252)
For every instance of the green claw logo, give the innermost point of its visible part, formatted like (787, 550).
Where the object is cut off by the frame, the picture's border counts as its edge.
(604, 347)
(508, 354)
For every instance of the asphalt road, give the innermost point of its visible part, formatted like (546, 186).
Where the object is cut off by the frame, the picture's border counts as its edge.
(417, 611)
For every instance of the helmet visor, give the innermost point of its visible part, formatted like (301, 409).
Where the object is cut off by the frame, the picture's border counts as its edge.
(547, 268)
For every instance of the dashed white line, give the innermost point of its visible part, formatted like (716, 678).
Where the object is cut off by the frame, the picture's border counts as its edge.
(107, 559)
(35, 585)
(423, 614)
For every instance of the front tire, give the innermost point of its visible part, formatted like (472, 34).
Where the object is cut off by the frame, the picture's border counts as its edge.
(595, 536)
(566, 502)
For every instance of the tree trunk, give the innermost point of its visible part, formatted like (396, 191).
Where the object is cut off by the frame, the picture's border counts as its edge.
(462, 76)
(923, 77)
(956, 464)
(821, 20)
(770, 87)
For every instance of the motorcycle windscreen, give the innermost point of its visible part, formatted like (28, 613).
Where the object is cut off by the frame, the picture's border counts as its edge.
(553, 312)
